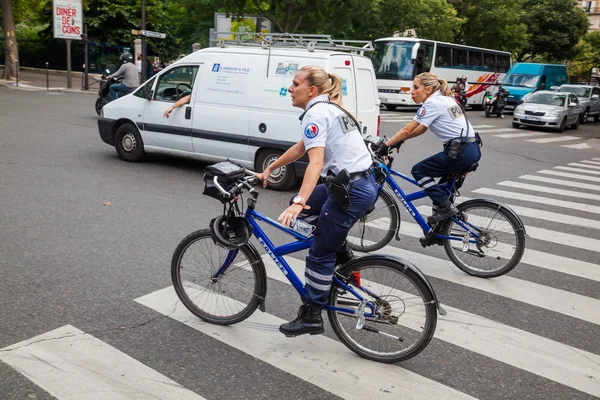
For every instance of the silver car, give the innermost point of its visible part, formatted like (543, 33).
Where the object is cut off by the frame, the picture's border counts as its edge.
(549, 109)
(589, 97)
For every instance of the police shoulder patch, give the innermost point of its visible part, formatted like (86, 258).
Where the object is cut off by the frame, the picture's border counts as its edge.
(311, 130)
(421, 112)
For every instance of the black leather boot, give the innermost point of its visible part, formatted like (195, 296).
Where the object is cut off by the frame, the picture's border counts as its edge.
(444, 210)
(309, 320)
(344, 254)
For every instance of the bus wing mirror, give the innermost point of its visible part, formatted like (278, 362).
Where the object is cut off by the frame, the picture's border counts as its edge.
(415, 50)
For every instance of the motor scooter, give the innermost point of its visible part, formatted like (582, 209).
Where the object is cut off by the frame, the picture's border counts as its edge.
(104, 91)
(494, 104)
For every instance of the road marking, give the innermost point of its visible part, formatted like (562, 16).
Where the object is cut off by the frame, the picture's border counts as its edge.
(550, 190)
(586, 171)
(578, 146)
(596, 159)
(73, 365)
(322, 361)
(538, 355)
(396, 120)
(568, 175)
(538, 199)
(560, 182)
(498, 130)
(555, 139)
(522, 134)
(584, 165)
(591, 162)
(483, 126)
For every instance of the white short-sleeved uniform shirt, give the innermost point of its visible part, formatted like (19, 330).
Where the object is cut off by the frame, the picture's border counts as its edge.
(444, 117)
(325, 125)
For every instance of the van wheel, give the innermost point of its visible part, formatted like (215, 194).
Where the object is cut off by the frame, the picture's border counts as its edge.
(128, 143)
(391, 107)
(585, 116)
(282, 178)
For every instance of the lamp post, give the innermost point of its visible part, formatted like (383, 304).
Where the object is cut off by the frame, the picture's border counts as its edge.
(144, 41)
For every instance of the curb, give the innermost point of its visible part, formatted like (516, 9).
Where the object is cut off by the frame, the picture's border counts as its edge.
(29, 88)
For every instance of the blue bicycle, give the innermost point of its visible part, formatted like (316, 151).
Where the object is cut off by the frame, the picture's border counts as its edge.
(486, 239)
(382, 308)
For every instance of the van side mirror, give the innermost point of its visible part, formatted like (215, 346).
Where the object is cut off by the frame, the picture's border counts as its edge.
(572, 104)
(595, 96)
(147, 92)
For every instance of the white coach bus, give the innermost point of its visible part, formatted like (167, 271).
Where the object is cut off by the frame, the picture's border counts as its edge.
(398, 59)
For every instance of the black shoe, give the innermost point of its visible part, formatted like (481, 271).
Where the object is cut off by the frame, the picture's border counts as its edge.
(443, 211)
(309, 320)
(344, 254)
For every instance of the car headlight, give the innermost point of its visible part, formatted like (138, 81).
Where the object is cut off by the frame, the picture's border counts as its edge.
(557, 113)
(519, 109)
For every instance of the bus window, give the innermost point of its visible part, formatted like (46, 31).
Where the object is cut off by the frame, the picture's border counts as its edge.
(503, 63)
(424, 56)
(476, 60)
(459, 58)
(392, 60)
(489, 61)
(443, 56)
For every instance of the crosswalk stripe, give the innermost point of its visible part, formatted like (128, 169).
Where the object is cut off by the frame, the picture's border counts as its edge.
(554, 139)
(550, 190)
(590, 162)
(544, 357)
(536, 258)
(538, 199)
(552, 299)
(547, 235)
(596, 159)
(396, 120)
(578, 146)
(330, 366)
(568, 175)
(497, 130)
(522, 134)
(561, 182)
(73, 365)
(483, 126)
(584, 165)
(586, 171)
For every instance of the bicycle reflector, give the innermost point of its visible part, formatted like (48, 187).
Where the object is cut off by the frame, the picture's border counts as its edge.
(356, 278)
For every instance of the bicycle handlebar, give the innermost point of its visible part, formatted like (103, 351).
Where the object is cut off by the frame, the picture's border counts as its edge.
(247, 182)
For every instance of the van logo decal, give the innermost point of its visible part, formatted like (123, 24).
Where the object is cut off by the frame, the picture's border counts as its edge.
(216, 67)
(311, 131)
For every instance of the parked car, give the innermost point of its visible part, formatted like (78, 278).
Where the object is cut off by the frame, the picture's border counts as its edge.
(549, 109)
(589, 97)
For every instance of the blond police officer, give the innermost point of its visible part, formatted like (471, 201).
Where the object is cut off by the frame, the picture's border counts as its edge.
(446, 119)
(334, 146)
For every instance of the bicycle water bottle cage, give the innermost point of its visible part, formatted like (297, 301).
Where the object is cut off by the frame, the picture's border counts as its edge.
(227, 173)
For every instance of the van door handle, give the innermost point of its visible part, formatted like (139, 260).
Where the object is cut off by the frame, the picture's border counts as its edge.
(188, 112)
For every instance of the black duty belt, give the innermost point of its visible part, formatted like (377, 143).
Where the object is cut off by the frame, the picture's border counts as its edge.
(470, 139)
(355, 176)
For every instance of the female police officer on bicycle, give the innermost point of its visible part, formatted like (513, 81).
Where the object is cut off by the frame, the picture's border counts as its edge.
(447, 121)
(335, 146)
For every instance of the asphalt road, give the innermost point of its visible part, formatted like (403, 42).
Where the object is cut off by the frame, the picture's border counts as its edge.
(84, 234)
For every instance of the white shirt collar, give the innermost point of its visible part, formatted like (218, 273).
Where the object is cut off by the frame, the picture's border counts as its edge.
(321, 97)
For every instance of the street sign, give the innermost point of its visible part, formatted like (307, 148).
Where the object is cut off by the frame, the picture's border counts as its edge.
(67, 19)
(153, 34)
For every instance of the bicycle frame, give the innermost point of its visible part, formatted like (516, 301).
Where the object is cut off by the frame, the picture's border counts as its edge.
(277, 253)
(407, 199)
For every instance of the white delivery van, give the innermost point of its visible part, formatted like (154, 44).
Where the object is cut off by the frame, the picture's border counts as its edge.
(240, 108)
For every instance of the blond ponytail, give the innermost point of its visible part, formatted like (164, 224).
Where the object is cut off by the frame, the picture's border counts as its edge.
(430, 80)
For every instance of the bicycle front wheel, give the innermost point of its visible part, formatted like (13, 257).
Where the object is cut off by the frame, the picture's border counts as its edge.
(377, 227)
(404, 317)
(226, 299)
(500, 243)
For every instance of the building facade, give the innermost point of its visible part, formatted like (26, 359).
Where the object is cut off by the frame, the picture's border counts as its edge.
(592, 9)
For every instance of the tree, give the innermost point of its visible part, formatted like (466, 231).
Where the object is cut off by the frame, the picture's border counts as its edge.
(492, 24)
(11, 51)
(554, 28)
(587, 57)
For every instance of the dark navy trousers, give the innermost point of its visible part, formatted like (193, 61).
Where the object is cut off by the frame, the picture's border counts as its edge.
(440, 165)
(333, 226)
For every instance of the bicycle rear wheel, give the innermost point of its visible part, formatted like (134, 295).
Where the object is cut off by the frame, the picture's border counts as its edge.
(377, 227)
(501, 239)
(227, 299)
(405, 317)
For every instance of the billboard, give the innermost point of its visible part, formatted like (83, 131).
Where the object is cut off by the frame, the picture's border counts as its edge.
(248, 23)
(67, 19)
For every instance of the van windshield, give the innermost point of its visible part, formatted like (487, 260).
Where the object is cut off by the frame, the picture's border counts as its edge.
(577, 91)
(522, 80)
(392, 60)
(549, 99)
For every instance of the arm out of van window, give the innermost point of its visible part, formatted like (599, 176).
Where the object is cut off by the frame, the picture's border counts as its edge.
(292, 154)
(180, 102)
(411, 130)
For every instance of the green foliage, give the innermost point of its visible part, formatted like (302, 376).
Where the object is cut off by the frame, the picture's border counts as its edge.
(492, 24)
(587, 57)
(554, 28)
